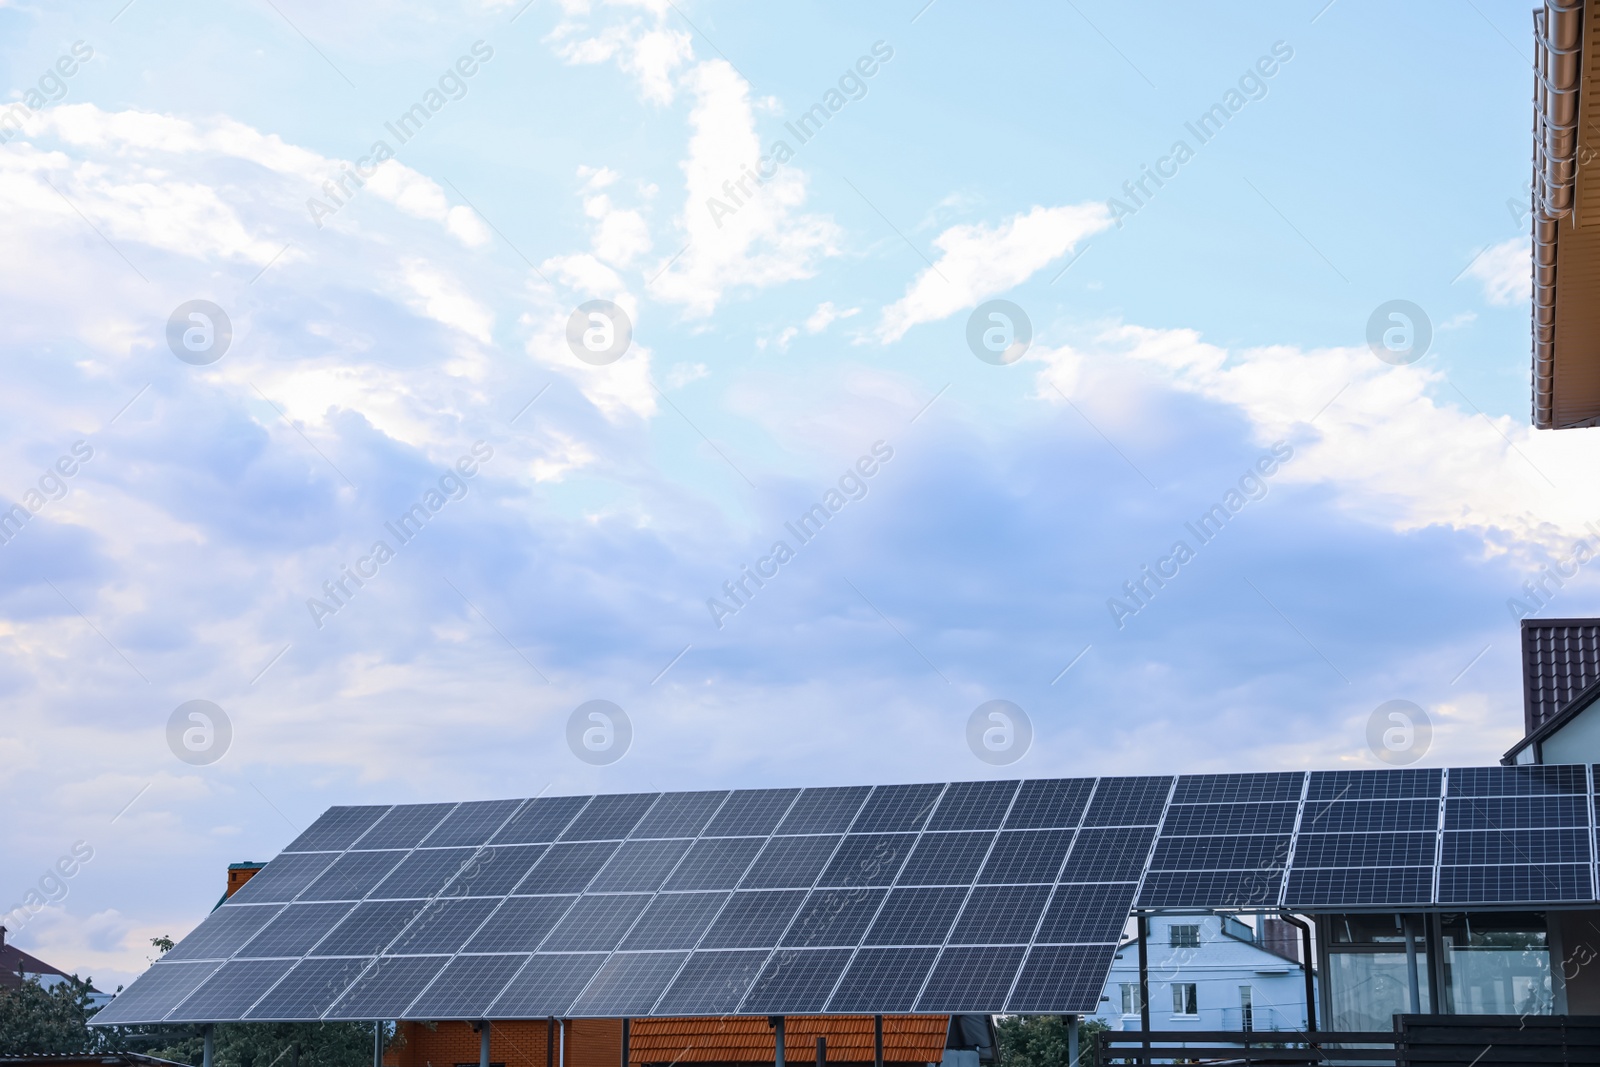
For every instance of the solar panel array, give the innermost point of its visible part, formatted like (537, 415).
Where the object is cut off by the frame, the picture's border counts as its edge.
(985, 897)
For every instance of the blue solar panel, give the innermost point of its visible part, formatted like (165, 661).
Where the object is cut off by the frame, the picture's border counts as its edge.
(336, 829)
(1061, 979)
(1203, 889)
(1518, 781)
(1221, 788)
(1511, 813)
(1049, 803)
(1128, 802)
(797, 980)
(825, 811)
(883, 980)
(713, 983)
(973, 806)
(928, 897)
(1375, 785)
(680, 814)
(1510, 884)
(1373, 886)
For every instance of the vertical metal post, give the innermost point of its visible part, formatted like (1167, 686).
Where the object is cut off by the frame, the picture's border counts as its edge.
(550, 1042)
(563, 1038)
(822, 1051)
(1071, 1023)
(483, 1044)
(294, 1055)
(625, 1034)
(877, 1041)
(777, 1041)
(208, 1050)
(1142, 929)
(377, 1044)
(1411, 965)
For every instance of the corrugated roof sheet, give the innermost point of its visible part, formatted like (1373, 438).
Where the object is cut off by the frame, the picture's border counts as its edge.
(906, 1039)
(1560, 658)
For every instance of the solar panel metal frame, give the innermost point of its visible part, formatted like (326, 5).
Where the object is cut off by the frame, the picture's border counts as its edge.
(1495, 837)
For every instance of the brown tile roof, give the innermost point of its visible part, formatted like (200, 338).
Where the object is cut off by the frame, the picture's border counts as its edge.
(1560, 658)
(906, 1039)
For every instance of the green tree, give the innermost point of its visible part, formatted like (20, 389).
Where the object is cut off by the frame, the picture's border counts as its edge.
(1041, 1041)
(34, 1019)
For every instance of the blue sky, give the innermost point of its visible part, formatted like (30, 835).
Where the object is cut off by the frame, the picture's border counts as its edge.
(774, 346)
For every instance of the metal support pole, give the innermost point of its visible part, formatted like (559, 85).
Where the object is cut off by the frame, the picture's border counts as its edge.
(550, 1042)
(625, 1033)
(822, 1051)
(483, 1044)
(377, 1044)
(208, 1050)
(877, 1041)
(1071, 1023)
(1142, 929)
(1411, 965)
(777, 1040)
(1310, 973)
(563, 1032)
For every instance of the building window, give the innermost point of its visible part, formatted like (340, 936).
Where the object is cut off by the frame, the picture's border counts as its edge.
(1130, 998)
(1247, 1017)
(1185, 936)
(1185, 999)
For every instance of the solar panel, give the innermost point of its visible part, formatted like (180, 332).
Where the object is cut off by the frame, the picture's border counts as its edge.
(307, 990)
(1512, 813)
(1508, 884)
(466, 987)
(387, 988)
(917, 916)
(471, 823)
(835, 917)
(223, 932)
(629, 983)
(713, 983)
(368, 928)
(609, 816)
(546, 986)
(715, 863)
(824, 811)
(404, 826)
(797, 980)
(675, 921)
(977, 896)
(973, 806)
(883, 980)
(790, 862)
(540, 821)
(680, 814)
(752, 812)
(967, 977)
(230, 991)
(336, 829)
(1062, 979)
(1219, 788)
(1048, 803)
(1374, 785)
(1518, 781)
(754, 919)
(520, 924)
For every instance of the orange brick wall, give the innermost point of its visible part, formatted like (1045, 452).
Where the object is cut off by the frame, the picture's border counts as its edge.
(518, 1043)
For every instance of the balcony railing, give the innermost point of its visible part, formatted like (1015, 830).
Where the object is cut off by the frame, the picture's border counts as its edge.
(1258, 1018)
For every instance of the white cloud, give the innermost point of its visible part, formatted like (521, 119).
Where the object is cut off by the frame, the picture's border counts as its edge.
(1397, 456)
(443, 299)
(826, 314)
(978, 262)
(681, 374)
(653, 55)
(1505, 272)
(765, 241)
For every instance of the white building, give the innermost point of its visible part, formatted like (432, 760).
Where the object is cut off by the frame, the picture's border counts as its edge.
(1210, 972)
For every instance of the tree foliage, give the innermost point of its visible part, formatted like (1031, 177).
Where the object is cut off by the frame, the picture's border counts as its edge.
(34, 1019)
(1041, 1041)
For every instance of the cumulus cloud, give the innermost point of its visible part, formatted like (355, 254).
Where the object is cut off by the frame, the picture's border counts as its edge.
(1505, 272)
(767, 240)
(978, 261)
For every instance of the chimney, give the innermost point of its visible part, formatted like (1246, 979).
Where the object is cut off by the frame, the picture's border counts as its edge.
(2, 937)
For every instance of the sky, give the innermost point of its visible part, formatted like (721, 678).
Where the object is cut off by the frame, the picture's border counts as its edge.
(797, 220)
